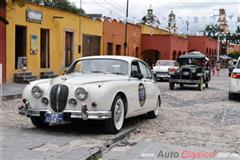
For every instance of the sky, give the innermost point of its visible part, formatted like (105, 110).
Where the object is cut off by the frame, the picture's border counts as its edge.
(199, 13)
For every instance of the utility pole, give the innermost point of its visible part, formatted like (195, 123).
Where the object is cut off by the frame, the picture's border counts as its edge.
(80, 28)
(126, 24)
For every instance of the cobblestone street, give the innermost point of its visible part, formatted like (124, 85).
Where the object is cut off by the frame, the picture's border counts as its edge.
(187, 117)
(190, 117)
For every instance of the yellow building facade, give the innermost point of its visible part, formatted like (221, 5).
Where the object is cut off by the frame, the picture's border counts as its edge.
(146, 29)
(41, 39)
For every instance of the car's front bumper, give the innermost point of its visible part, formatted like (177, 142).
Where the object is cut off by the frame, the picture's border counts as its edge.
(80, 114)
(234, 86)
(184, 81)
(162, 75)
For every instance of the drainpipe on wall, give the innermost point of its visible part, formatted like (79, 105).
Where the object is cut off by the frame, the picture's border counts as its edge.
(3, 23)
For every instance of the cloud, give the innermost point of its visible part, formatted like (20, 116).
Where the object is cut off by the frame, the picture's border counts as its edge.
(204, 10)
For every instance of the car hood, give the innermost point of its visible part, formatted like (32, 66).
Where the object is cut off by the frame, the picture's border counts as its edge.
(161, 68)
(81, 78)
(237, 70)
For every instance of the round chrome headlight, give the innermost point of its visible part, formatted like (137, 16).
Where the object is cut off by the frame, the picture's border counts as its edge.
(81, 93)
(194, 70)
(37, 92)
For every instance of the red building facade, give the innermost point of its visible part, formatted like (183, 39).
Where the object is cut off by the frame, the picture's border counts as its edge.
(156, 47)
(203, 44)
(170, 47)
(3, 44)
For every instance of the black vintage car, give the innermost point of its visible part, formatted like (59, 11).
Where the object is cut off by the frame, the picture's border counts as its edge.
(193, 70)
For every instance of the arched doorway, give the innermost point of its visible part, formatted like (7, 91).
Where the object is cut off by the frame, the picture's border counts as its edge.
(179, 53)
(174, 55)
(150, 56)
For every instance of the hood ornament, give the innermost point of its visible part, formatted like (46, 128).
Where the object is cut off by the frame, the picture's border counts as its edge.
(64, 78)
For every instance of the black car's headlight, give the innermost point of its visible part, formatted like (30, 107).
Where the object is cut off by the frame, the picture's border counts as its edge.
(37, 92)
(81, 94)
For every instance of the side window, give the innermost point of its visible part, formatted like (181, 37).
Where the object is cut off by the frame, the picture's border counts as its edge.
(149, 73)
(135, 67)
(145, 71)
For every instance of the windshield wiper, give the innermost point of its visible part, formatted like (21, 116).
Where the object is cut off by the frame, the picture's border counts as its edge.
(97, 72)
(119, 73)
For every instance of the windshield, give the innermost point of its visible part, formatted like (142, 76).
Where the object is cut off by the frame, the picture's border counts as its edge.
(100, 65)
(165, 63)
(192, 61)
(238, 65)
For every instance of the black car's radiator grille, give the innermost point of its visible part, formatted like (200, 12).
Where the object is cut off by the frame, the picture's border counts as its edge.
(186, 73)
(59, 97)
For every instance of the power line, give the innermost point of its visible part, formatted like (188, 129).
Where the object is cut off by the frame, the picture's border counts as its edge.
(118, 9)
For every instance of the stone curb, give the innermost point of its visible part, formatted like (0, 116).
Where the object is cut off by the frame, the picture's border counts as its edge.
(10, 97)
(98, 154)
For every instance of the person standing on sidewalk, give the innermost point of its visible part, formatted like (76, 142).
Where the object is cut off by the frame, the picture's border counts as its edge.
(213, 68)
(218, 68)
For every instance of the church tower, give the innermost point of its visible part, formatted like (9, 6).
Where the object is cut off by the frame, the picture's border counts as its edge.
(172, 22)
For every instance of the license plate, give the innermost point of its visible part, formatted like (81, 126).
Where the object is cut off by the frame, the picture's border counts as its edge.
(53, 117)
(185, 73)
(162, 75)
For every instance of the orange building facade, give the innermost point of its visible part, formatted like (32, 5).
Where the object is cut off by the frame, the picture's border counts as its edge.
(114, 37)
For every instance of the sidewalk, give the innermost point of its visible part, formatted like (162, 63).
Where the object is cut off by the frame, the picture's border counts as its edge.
(12, 90)
(147, 149)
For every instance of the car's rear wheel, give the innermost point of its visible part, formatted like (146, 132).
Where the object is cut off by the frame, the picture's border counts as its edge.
(114, 125)
(39, 122)
(153, 114)
(231, 96)
(171, 85)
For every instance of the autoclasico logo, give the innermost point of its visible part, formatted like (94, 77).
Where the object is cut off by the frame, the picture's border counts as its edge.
(184, 154)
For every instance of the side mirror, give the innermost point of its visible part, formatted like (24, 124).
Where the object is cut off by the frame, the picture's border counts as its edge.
(137, 75)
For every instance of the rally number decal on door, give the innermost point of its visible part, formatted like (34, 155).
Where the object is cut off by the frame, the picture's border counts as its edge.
(141, 94)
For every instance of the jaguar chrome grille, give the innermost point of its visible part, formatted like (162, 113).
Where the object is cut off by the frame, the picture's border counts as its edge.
(59, 97)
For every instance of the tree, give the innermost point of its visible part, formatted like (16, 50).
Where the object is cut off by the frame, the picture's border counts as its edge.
(64, 5)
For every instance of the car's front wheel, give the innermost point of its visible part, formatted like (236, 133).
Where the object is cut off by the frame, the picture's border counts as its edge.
(206, 85)
(39, 122)
(114, 125)
(154, 113)
(171, 85)
(231, 96)
(200, 85)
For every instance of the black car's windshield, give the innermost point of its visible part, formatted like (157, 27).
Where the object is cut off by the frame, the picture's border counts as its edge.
(100, 65)
(165, 63)
(191, 61)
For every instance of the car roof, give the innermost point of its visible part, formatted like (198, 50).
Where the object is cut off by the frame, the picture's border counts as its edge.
(165, 60)
(194, 54)
(125, 58)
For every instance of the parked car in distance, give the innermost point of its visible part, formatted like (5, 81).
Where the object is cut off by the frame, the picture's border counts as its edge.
(162, 68)
(108, 88)
(193, 70)
(231, 66)
(234, 89)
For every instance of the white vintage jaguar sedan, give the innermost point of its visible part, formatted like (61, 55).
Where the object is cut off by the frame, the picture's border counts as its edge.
(109, 88)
